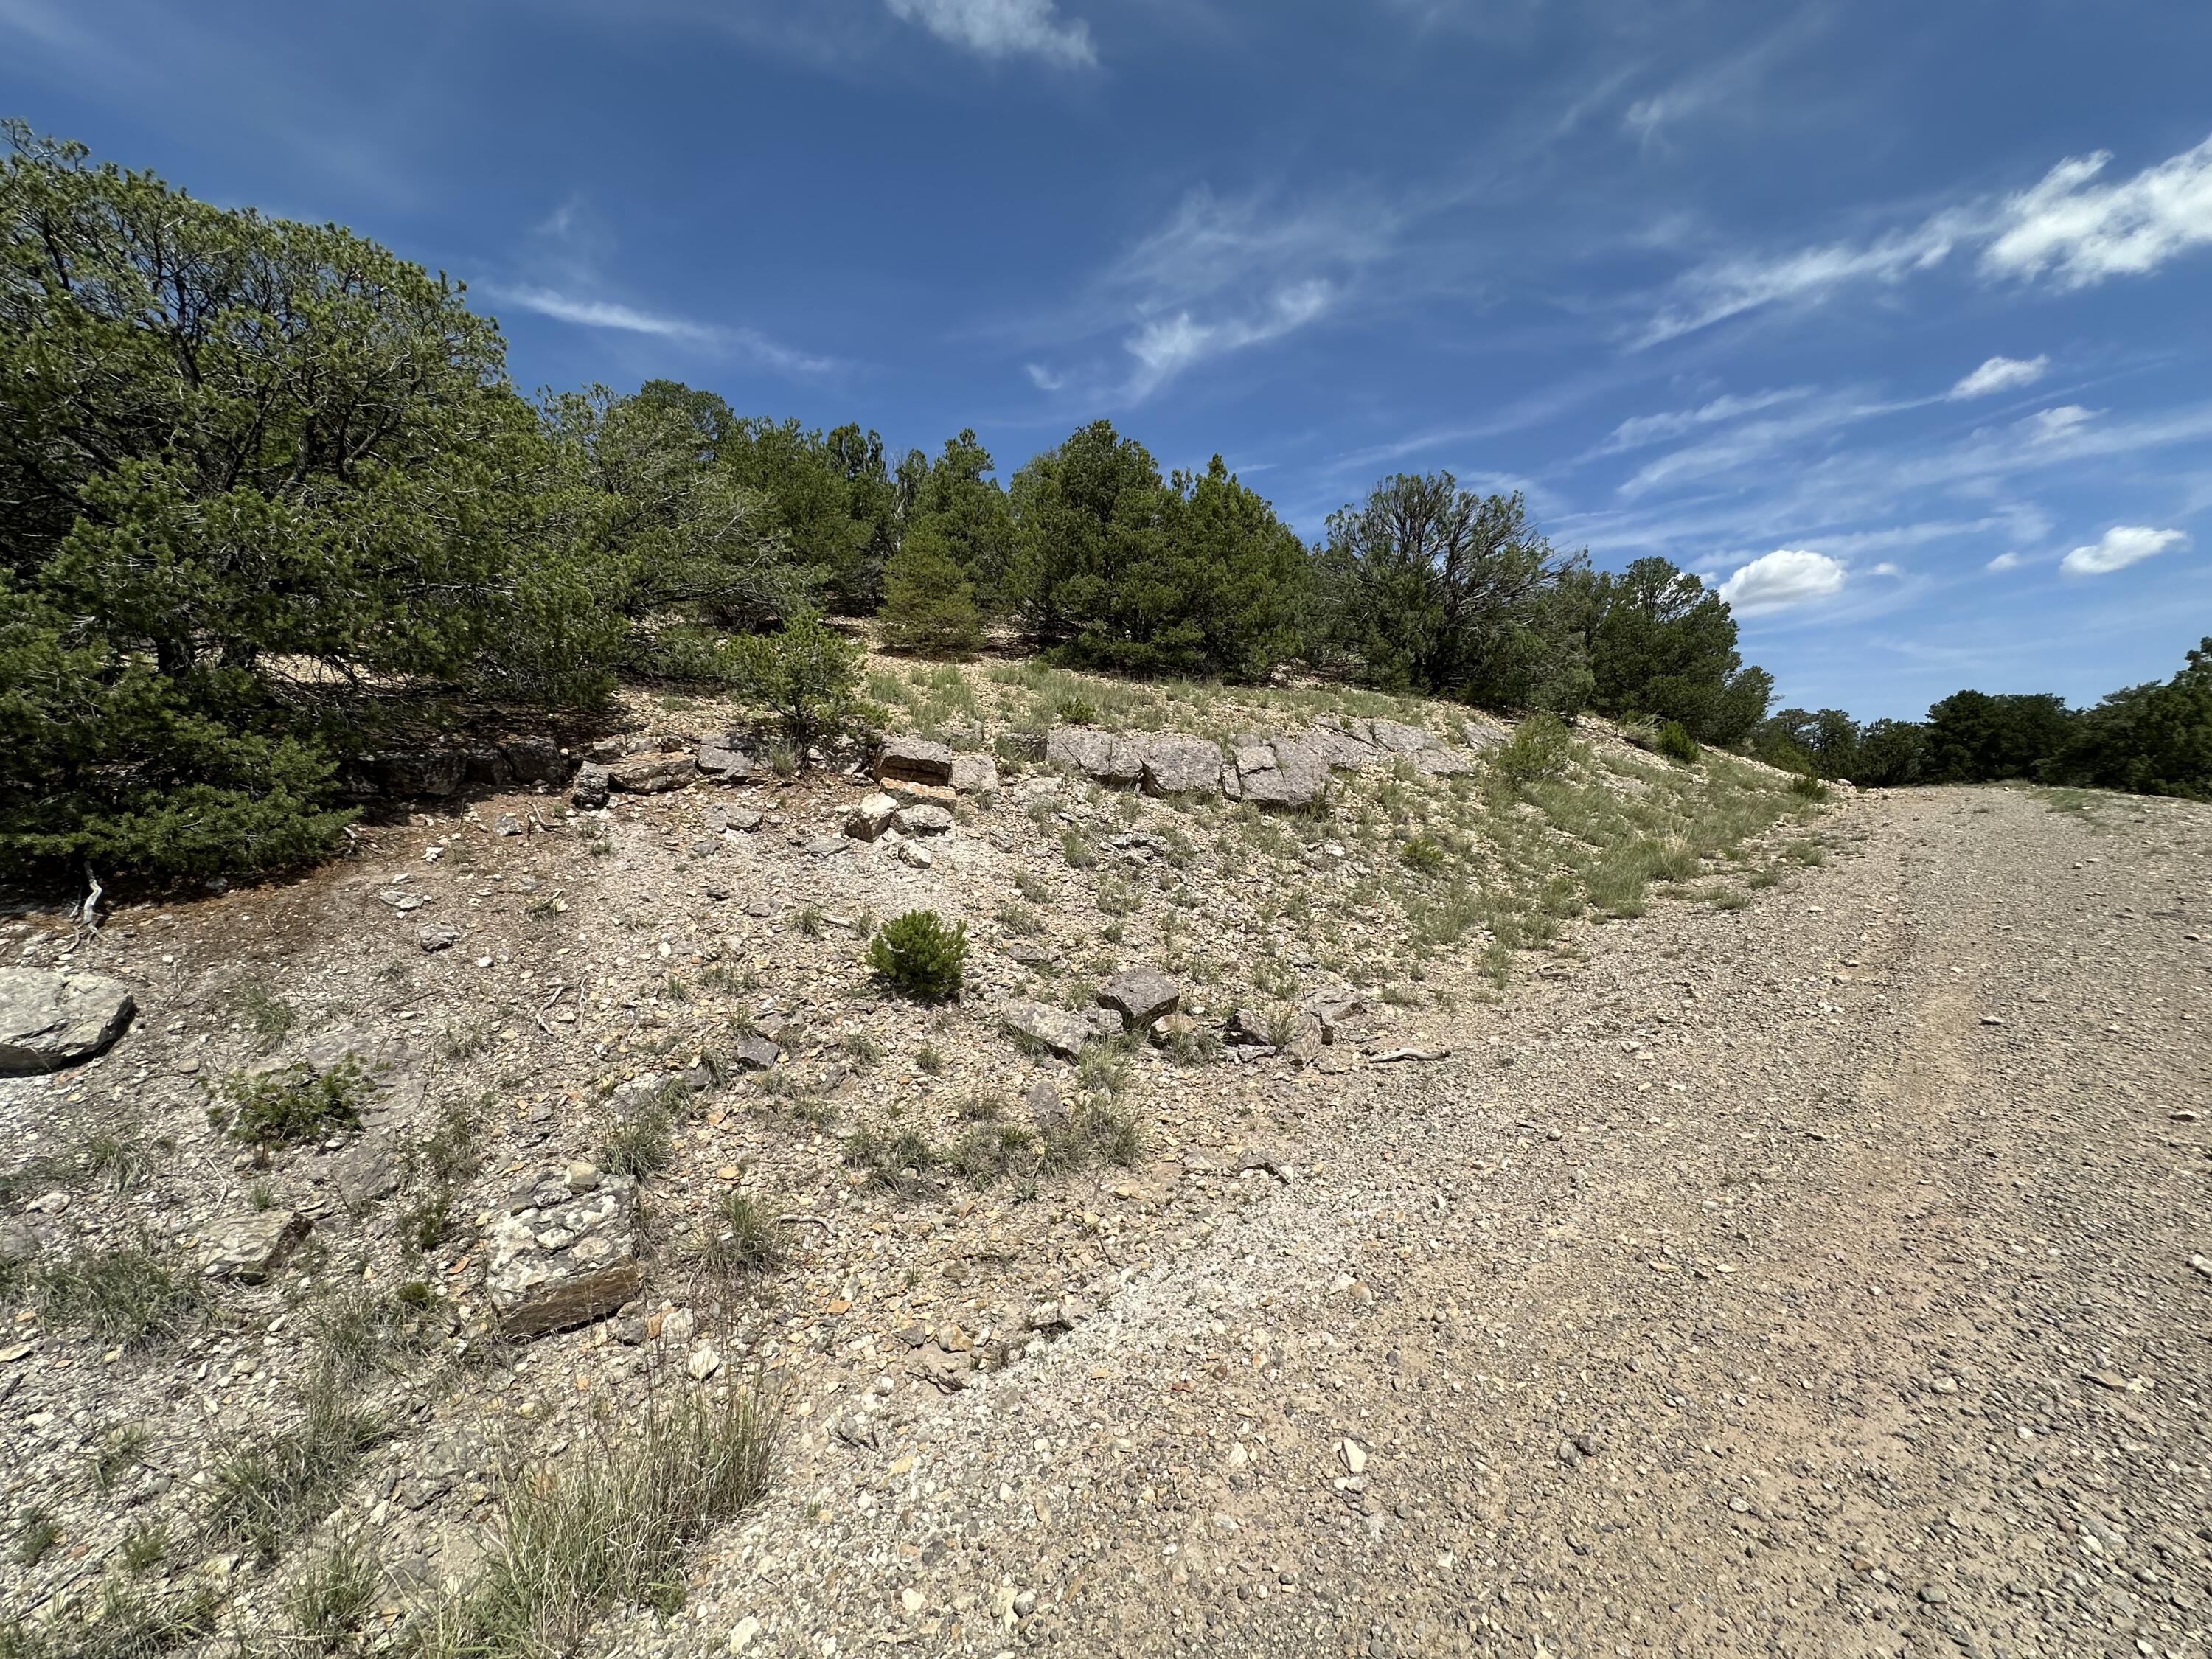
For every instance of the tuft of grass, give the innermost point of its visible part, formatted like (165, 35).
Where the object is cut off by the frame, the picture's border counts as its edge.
(269, 1017)
(742, 1238)
(896, 1162)
(273, 1485)
(133, 1297)
(1028, 884)
(126, 1621)
(989, 1152)
(436, 1167)
(331, 1595)
(116, 1454)
(1422, 855)
(38, 1534)
(609, 1526)
(296, 1103)
(1806, 852)
(145, 1546)
(1075, 847)
(361, 1333)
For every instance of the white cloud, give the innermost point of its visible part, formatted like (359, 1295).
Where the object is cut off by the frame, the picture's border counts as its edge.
(1782, 579)
(2006, 562)
(2076, 232)
(2122, 546)
(1166, 346)
(1886, 569)
(1638, 430)
(1003, 28)
(2048, 425)
(605, 314)
(2082, 233)
(1999, 374)
(1045, 380)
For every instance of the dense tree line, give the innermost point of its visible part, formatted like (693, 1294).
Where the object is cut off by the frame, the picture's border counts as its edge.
(2153, 738)
(268, 499)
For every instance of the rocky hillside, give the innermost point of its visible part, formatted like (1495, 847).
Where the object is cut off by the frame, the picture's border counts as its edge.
(340, 1210)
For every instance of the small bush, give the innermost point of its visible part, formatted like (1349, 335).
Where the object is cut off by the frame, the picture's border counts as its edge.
(1422, 855)
(1538, 750)
(919, 955)
(296, 1103)
(989, 1152)
(1806, 786)
(1673, 740)
(742, 1238)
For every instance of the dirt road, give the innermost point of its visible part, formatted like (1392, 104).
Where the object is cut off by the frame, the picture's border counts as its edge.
(1810, 1279)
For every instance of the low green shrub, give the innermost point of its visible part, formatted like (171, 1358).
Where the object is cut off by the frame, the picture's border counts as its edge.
(1673, 740)
(296, 1103)
(921, 956)
(1538, 750)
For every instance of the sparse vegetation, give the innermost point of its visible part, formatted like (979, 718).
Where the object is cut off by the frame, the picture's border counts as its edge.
(135, 1296)
(609, 1525)
(274, 1482)
(742, 1238)
(296, 1103)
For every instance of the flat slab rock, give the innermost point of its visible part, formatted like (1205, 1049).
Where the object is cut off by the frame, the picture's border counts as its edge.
(562, 1258)
(49, 1020)
(249, 1248)
(1140, 995)
(915, 760)
(1063, 1033)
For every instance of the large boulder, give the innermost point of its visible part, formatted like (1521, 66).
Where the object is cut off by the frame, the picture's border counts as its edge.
(535, 759)
(590, 789)
(975, 774)
(1139, 996)
(915, 760)
(720, 756)
(49, 1020)
(1282, 774)
(1106, 757)
(1345, 750)
(1395, 738)
(871, 816)
(1177, 763)
(561, 1258)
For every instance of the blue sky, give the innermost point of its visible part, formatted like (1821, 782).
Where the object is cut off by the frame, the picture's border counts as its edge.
(1895, 318)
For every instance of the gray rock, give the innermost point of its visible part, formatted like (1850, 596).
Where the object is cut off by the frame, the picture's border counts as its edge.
(923, 820)
(421, 771)
(827, 847)
(1339, 748)
(1395, 738)
(437, 936)
(484, 762)
(535, 759)
(744, 820)
(718, 757)
(915, 760)
(1483, 732)
(1062, 1032)
(251, 1247)
(590, 786)
(1334, 1009)
(871, 817)
(1177, 763)
(652, 775)
(368, 1171)
(1283, 774)
(49, 1020)
(402, 899)
(1107, 756)
(508, 825)
(755, 1054)
(974, 774)
(557, 1264)
(1140, 995)
(1446, 762)
(607, 751)
(1046, 1110)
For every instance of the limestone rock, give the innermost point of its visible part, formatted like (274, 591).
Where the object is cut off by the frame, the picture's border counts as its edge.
(652, 775)
(562, 1259)
(1177, 763)
(251, 1247)
(1046, 1110)
(1396, 738)
(718, 757)
(421, 771)
(923, 820)
(1106, 756)
(755, 1054)
(974, 774)
(590, 786)
(1139, 996)
(1445, 762)
(435, 936)
(915, 760)
(49, 1020)
(871, 816)
(535, 759)
(368, 1171)
(1063, 1033)
(1282, 773)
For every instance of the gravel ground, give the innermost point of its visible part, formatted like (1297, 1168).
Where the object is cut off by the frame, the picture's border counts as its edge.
(1811, 1278)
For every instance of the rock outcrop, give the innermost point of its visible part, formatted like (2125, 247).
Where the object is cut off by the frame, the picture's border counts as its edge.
(49, 1020)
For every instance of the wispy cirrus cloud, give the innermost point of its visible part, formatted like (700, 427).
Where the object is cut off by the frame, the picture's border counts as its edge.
(583, 312)
(1219, 276)
(1003, 28)
(1999, 375)
(2067, 228)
